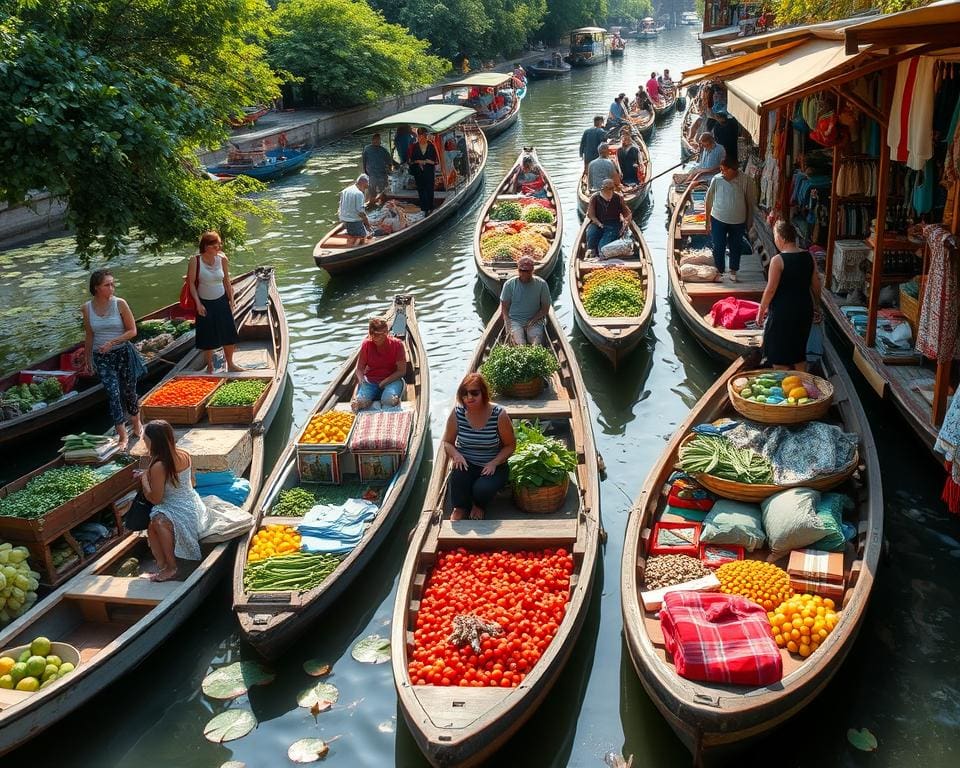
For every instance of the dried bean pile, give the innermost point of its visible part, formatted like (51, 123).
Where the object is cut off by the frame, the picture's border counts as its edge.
(667, 570)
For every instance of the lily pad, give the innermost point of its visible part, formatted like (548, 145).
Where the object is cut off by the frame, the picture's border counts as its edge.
(308, 750)
(373, 649)
(862, 739)
(322, 696)
(230, 725)
(235, 679)
(316, 668)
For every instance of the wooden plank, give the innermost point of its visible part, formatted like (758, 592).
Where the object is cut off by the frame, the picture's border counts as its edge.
(725, 289)
(538, 410)
(532, 532)
(626, 263)
(455, 707)
(121, 590)
(873, 376)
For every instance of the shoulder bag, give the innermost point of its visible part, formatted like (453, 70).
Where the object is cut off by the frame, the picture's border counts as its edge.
(186, 298)
(137, 518)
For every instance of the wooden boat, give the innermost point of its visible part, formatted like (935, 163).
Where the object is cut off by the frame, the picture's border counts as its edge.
(544, 69)
(643, 121)
(116, 622)
(665, 105)
(271, 621)
(689, 18)
(650, 29)
(709, 718)
(88, 391)
(636, 196)
(458, 93)
(262, 165)
(337, 253)
(464, 726)
(495, 273)
(693, 301)
(588, 46)
(616, 337)
(617, 48)
(250, 116)
(689, 149)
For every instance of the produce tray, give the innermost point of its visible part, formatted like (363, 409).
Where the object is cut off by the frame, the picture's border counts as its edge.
(328, 447)
(178, 414)
(238, 414)
(782, 414)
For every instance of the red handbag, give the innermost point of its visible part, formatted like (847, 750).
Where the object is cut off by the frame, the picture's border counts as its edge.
(186, 298)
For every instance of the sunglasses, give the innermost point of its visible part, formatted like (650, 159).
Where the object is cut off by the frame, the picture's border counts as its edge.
(470, 392)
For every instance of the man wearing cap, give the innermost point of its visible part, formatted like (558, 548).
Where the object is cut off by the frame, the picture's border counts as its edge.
(608, 214)
(524, 303)
(602, 168)
(591, 140)
(377, 163)
(351, 213)
(725, 130)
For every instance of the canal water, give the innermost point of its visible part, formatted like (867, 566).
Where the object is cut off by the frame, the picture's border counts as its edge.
(900, 681)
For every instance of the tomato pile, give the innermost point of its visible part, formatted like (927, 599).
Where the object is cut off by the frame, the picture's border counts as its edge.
(187, 391)
(525, 592)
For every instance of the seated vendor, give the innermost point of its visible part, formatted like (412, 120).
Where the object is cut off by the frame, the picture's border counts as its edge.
(485, 99)
(529, 179)
(708, 165)
(381, 366)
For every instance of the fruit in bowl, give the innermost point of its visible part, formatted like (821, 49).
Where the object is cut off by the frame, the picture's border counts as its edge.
(776, 388)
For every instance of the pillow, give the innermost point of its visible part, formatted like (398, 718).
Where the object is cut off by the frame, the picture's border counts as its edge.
(830, 510)
(791, 522)
(734, 522)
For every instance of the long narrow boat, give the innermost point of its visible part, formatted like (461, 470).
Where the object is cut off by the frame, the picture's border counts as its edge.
(709, 718)
(668, 100)
(270, 621)
(643, 121)
(689, 148)
(638, 195)
(117, 621)
(89, 391)
(544, 69)
(260, 165)
(338, 253)
(464, 726)
(458, 92)
(616, 337)
(693, 300)
(493, 274)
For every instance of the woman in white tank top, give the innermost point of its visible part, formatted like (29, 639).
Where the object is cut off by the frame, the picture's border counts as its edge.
(109, 326)
(209, 280)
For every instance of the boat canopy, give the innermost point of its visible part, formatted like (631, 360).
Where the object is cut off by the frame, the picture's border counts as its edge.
(481, 80)
(434, 117)
(589, 30)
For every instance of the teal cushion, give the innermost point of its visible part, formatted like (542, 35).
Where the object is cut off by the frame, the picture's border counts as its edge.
(734, 522)
(830, 510)
(790, 521)
(693, 515)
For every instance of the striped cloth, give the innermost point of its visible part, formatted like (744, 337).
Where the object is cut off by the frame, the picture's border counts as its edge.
(720, 639)
(381, 432)
(478, 446)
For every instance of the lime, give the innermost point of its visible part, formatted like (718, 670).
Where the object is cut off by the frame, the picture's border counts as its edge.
(6, 682)
(25, 655)
(65, 668)
(36, 665)
(55, 660)
(40, 647)
(18, 671)
(50, 669)
(28, 684)
(48, 682)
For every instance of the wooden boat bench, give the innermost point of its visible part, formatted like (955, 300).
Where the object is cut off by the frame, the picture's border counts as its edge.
(720, 290)
(626, 263)
(549, 409)
(456, 707)
(117, 589)
(529, 533)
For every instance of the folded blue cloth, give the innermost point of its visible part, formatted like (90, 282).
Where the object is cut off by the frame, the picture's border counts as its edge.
(335, 528)
(205, 479)
(714, 429)
(235, 492)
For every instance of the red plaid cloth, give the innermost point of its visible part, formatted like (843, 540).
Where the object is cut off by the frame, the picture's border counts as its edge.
(720, 639)
(382, 432)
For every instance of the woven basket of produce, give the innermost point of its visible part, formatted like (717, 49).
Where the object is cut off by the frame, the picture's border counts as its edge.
(788, 397)
(524, 390)
(546, 498)
(756, 492)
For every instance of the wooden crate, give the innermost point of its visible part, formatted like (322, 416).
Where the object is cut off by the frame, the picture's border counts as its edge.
(181, 414)
(238, 414)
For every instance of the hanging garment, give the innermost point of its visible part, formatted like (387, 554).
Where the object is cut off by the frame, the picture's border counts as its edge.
(937, 328)
(910, 133)
(951, 164)
(923, 189)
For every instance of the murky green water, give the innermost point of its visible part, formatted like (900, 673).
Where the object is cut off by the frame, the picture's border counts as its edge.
(901, 680)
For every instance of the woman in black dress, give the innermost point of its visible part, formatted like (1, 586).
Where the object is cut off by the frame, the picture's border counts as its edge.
(787, 307)
(423, 163)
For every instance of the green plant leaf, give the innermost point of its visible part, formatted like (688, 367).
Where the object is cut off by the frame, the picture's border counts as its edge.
(507, 365)
(373, 649)
(862, 739)
(308, 750)
(229, 725)
(322, 696)
(316, 668)
(235, 679)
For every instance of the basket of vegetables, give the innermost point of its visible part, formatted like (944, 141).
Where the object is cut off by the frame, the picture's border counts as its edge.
(518, 370)
(540, 470)
(181, 400)
(237, 401)
(780, 397)
(613, 292)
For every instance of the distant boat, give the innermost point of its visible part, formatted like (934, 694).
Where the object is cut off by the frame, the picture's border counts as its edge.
(588, 46)
(250, 116)
(547, 68)
(689, 18)
(649, 28)
(263, 165)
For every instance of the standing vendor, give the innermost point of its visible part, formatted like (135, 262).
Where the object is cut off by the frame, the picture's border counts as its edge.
(423, 166)
(377, 163)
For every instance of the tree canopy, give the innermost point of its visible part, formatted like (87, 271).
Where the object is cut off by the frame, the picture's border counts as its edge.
(564, 15)
(811, 11)
(346, 52)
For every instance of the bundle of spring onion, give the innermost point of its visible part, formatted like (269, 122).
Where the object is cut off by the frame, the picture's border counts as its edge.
(713, 455)
(297, 572)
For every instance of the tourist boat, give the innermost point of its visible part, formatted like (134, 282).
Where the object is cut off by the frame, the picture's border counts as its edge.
(263, 165)
(271, 621)
(710, 718)
(544, 69)
(465, 726)
(250, 116)
(689, 18)
(693, 300)
(588, 46)
(650, 29)
(114, 621)
(615, 337)
(638, 195)
(493, 274)
(88, 391)
(459, 93)
(462, 179)
(617, 47)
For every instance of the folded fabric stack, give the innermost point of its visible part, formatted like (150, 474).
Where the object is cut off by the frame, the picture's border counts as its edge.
(857, 315)
(225, 485)
(894, 337)
(335, 528)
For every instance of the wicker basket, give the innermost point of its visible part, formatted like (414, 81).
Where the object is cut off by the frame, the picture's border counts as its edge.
(525, 390)
(546, 498)
(783, 414)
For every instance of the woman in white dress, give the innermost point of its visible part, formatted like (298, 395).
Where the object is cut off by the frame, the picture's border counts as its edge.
(177, 508)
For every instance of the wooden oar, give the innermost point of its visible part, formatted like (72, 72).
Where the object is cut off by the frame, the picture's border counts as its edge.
(672, 168)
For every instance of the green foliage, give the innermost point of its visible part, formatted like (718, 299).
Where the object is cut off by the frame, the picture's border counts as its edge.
(346, 53)
(629, 12)
(537, 214)
(108, 101)
(564, 15)
(539, 460)
(507, 365)
(811, 11)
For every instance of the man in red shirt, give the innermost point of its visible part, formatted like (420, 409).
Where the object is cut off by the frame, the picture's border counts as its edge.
(381, 366)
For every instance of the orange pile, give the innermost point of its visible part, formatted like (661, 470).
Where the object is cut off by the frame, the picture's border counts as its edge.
(187, 391)
(273, 540)
(329, 427)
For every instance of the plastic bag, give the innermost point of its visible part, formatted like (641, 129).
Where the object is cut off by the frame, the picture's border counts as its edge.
(222, 521)
(618, 249)
(698, 273)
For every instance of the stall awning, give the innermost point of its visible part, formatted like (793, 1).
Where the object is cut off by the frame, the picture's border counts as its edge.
(774, 82)
(480, 80)
(730, 66)
(934, 23)
(433, 117)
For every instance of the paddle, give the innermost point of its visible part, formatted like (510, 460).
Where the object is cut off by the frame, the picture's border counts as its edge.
(673, 168)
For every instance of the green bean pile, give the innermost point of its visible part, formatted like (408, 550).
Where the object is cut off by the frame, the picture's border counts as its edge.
(297, 572)
(712, 455)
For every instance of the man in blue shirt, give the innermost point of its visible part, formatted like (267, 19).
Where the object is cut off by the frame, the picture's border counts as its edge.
(591, 140)
(711, 155)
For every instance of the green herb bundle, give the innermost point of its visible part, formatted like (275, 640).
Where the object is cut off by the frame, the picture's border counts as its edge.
(506, 210)
(507, 365)
(539, 460)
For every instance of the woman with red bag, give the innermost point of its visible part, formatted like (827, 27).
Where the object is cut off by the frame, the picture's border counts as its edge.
(208, 280)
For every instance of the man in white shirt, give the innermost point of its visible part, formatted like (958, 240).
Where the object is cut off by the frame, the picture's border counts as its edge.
(730, 206)
(352, 214)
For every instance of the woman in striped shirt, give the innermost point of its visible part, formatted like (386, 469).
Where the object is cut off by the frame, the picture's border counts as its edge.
(478, 440)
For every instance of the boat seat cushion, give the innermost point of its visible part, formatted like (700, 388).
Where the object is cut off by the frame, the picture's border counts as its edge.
(734, 522)
(381, 432)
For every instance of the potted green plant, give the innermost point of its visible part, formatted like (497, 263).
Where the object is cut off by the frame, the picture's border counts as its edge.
(518, 370)
(540, 469)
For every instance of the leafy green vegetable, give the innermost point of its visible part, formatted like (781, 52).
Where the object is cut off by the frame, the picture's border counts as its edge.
(507, 365)
(539, 460)
(506, 210)
(714, 455)
(537, 214)
(48, 491)
(296, 572)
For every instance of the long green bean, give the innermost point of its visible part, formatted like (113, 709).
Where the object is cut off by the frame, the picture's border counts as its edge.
(295, 572)
(714, 455)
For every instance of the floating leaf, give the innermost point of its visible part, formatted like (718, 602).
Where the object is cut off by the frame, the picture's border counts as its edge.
(235, 679)
(316, 668)
(373, 649)
(862, 739)
(308, 750)
(322, 695)
(230, 725)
